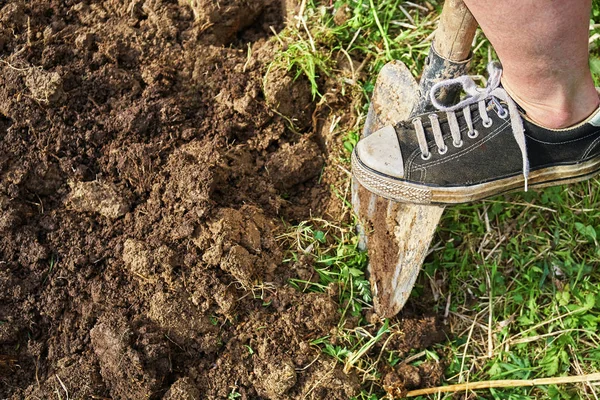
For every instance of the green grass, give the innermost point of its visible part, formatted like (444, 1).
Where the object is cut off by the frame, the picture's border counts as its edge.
(333, 250)
(517, 274)
(524, 288)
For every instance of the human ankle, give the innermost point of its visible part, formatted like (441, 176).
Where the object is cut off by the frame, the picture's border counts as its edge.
(554, 118)
(561, 111)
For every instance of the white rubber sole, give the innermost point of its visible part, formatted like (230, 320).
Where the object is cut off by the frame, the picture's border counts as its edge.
(408, 192)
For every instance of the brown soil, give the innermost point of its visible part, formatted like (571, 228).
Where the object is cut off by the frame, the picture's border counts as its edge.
(143, 181)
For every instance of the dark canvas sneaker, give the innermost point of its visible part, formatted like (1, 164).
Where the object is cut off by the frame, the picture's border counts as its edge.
(478, 148)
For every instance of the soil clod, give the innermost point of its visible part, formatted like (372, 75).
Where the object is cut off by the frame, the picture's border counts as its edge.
(97, 197)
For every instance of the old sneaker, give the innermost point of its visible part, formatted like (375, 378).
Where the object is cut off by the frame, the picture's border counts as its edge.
(478, 148)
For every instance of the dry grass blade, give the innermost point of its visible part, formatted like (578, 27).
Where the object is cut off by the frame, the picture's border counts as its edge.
(506, 384)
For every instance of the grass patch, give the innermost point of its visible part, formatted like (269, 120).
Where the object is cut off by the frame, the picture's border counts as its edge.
(525, 296)
(516, 276)
(338, 263)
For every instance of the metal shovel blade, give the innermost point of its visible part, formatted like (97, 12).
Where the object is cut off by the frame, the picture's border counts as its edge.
(397, 235)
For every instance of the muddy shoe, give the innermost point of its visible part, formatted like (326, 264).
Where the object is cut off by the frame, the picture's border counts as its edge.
(478, 148)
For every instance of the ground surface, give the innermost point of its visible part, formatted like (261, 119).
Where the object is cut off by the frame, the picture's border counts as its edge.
(144, 180)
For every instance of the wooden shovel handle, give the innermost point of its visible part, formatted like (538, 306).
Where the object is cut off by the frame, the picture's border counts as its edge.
(456, 31)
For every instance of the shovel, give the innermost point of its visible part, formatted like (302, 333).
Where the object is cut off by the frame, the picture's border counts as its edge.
(397, 235)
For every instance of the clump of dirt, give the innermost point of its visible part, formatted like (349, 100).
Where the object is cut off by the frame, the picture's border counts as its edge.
(275, 376)
(98, 197)
(183, 389)
(289, 96)
(222, 21)
(405, 377)
(45, 87)
(295, 164)
(418, 332)
(183, 321)
(121, 366)
(144, 179)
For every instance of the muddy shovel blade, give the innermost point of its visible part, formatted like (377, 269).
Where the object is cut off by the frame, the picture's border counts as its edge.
(397, 235)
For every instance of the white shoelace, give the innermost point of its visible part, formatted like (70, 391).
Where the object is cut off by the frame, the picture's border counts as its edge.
(492, 92)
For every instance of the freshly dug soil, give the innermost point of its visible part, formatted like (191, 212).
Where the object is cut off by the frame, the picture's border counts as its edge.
(143, 181)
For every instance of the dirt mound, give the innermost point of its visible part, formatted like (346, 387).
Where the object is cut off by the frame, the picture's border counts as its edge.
(143, 180)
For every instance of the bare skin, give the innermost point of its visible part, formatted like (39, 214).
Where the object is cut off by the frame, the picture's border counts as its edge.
(543, 48)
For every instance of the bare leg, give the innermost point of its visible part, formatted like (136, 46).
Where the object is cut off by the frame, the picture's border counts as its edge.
(543, 47)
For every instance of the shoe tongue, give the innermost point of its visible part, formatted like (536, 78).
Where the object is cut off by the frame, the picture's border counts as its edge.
(521, 109)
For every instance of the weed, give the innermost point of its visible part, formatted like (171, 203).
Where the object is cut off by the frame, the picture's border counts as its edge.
(337, 261)
(52, 265)
(234, 394)
(250, 349)
(350, 140)
(299, 54)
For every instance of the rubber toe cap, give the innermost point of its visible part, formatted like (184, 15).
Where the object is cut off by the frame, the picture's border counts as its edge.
(380, 151)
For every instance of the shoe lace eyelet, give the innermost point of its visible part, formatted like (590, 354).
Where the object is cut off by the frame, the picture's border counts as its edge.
(473, 134)
(425, 157)
(458, 144)
(443, 150)
(488, 123)
(502, 113)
